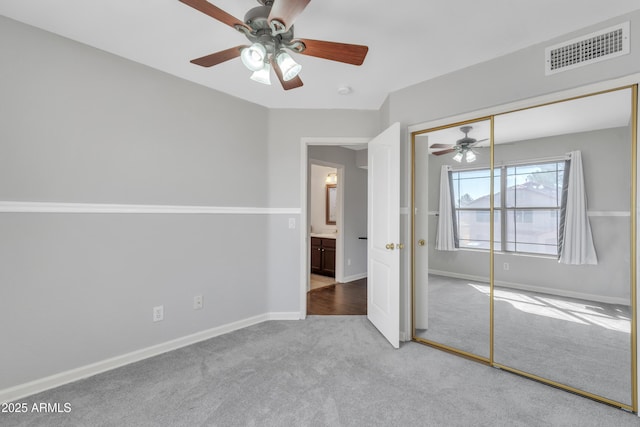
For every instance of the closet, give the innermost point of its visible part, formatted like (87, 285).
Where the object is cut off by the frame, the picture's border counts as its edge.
(524, 242)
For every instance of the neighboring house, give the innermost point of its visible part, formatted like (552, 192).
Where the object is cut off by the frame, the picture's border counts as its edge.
(533, 227)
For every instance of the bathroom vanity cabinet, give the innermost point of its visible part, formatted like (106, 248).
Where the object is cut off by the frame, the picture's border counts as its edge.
(323, 256)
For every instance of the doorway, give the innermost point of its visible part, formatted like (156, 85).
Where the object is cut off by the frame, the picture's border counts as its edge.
(381, 227)
(333, 159)
(325, 201)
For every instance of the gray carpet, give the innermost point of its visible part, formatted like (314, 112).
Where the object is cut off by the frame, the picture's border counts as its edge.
(323, 371)
(583, 344)
(459, 314)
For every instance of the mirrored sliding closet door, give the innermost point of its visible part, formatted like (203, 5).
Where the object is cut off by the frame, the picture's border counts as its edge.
(452, 238)
(563, 237)
(524, 247)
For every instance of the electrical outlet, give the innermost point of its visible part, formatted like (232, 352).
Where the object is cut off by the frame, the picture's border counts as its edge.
(197, 302)
(506, 266)
(348, 261)
(292, 223)
(158, 313)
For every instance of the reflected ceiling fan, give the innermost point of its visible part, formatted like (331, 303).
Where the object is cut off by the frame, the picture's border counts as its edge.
(462, 147)
(269, 28)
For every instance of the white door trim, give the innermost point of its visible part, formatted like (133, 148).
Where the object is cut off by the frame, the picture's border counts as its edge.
(304, 214)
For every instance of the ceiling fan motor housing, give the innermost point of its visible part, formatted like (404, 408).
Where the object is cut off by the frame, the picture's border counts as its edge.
(258, 20)
(466, 140)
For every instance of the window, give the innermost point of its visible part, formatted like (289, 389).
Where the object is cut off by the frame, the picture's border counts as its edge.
(529, 218)
(471, 199)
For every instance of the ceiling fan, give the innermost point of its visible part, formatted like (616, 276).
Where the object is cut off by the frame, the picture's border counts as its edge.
(462, 147)
(269, 28)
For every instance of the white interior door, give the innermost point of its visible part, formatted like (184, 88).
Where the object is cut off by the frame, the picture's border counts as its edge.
(383, 282)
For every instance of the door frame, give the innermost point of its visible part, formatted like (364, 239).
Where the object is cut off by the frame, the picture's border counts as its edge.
(304, 214)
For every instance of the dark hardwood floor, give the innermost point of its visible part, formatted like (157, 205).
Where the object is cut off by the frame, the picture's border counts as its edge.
(339, 298)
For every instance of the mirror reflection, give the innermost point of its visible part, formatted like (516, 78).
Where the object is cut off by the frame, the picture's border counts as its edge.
(562, 258)
(452, 210)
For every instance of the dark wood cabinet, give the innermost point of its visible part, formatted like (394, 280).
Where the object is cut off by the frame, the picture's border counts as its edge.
(323, 256)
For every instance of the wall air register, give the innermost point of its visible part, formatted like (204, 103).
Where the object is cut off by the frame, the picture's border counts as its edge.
(595, 47)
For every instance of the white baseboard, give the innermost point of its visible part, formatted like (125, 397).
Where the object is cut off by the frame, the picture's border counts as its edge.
(523, 287)
(294, 315)
(459, 275)
(56, 380)
(354, 277)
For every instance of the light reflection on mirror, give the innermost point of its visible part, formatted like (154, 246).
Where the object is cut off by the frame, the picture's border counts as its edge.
(569, 324)
(584, 313)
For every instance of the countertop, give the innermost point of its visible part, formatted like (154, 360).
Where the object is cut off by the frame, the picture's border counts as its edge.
(325, 235)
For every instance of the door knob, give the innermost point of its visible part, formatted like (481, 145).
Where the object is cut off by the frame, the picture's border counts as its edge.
(421, 242)
(390, 246)
(400, 245)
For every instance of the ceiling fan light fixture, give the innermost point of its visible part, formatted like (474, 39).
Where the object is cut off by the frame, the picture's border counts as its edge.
(470, 156)
(288, 66)
(253, 57)
(262, 76)
(458, 157)
(269, 29)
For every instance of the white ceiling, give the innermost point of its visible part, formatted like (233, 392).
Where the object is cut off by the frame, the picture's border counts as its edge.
(409, 41)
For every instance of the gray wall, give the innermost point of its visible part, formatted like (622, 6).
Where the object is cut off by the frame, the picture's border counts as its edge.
(355, 206)
(516, 76)
(287, 128)
(79, 125)
(78, 289)
(86, 126)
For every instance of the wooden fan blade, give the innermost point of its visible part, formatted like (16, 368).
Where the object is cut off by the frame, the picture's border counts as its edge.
(286, 11)
(441, 146)
(440, 153)
(342, 52)
(286, 84)
(214, 12)
(218, 57)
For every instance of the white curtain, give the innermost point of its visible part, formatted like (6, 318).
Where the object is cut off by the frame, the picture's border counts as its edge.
(445, 236)
(577, 242)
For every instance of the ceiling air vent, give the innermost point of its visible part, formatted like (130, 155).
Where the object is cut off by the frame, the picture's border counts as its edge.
(585, 50)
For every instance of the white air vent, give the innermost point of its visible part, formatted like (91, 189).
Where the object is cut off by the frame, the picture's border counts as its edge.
(585, 50)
